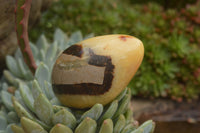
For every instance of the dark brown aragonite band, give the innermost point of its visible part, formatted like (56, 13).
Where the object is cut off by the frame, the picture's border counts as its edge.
(75, 50)
(90, 88)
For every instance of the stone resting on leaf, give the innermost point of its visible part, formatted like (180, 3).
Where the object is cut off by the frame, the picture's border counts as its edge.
(96, 70)
(79, 88)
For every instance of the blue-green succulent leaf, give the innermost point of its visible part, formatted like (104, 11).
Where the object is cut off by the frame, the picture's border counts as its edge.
(6, 99)
(3, 121)
(12, 117)
(34, 49)
(43, 109)
(42, 74)
(26, 73)
(76, 37)
(146, 127)
(8, 129)
(36, 90)
(94, 113)
(51, 54)
(10, 78)
(42, 43)
(89, 36)
(27, 96)
(12, 66)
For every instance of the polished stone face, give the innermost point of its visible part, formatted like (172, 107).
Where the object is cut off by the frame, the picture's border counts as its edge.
(96, 70)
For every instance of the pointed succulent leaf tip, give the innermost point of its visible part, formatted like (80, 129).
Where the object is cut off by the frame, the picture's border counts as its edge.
(94, 113)
(64, 117)
(59, 128)
(12, 117)
(10, 78)
(22, 10)
(27, 96)
(20, 110)
(6, 99)
(146, 127)
(123, 106)
(12, 66)
(129, 115)
(30, 126)
(88, 125)
(119, 125)
(43, 109)
(107, 126)
(93, 71)
(110, 111)
(17, 129)
(3, 124)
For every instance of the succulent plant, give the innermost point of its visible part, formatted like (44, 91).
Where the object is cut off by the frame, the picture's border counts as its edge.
(29, 103)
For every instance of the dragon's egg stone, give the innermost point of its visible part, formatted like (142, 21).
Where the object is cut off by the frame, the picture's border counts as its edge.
(96, 70)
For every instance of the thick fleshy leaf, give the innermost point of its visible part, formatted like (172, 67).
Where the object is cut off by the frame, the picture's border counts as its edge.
(24, 69)
(18, 53)
(19, 98)
(3, 121)
(4, 86)
(12, 117)
(49, 90)
(123, 105)
(57, 108)
(88, 125)
(6, 99)
(51, 54)
(59, 128)
(12, 66)
(17, 129)
(110, 111)
(30, 126)
(42, 43)
(89, 36)
(107, 126)
(55, 101)
(76, 37)
(10, 78)
(129, 115)
(128, 128)
(64, 117)
(9, 129)
(34, 49)
(27, 96)
(43, 109)
(59, 35)
(41, 123)
(122, 94)
(42, 74)
(146, 127)
(2, 131)
(94, 113)
(36, 90)
(61, 38)
(41, 55)
(119, 125)
(20, 110)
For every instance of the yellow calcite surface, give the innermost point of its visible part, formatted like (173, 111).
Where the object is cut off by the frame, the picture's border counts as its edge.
(75, 71)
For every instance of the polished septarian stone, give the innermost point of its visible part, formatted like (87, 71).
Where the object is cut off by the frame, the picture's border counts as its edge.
(96, 70)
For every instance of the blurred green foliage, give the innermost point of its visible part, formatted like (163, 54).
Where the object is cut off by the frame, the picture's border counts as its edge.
(171, 37)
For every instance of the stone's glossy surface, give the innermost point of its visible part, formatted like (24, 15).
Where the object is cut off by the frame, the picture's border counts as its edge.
(96, 70)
